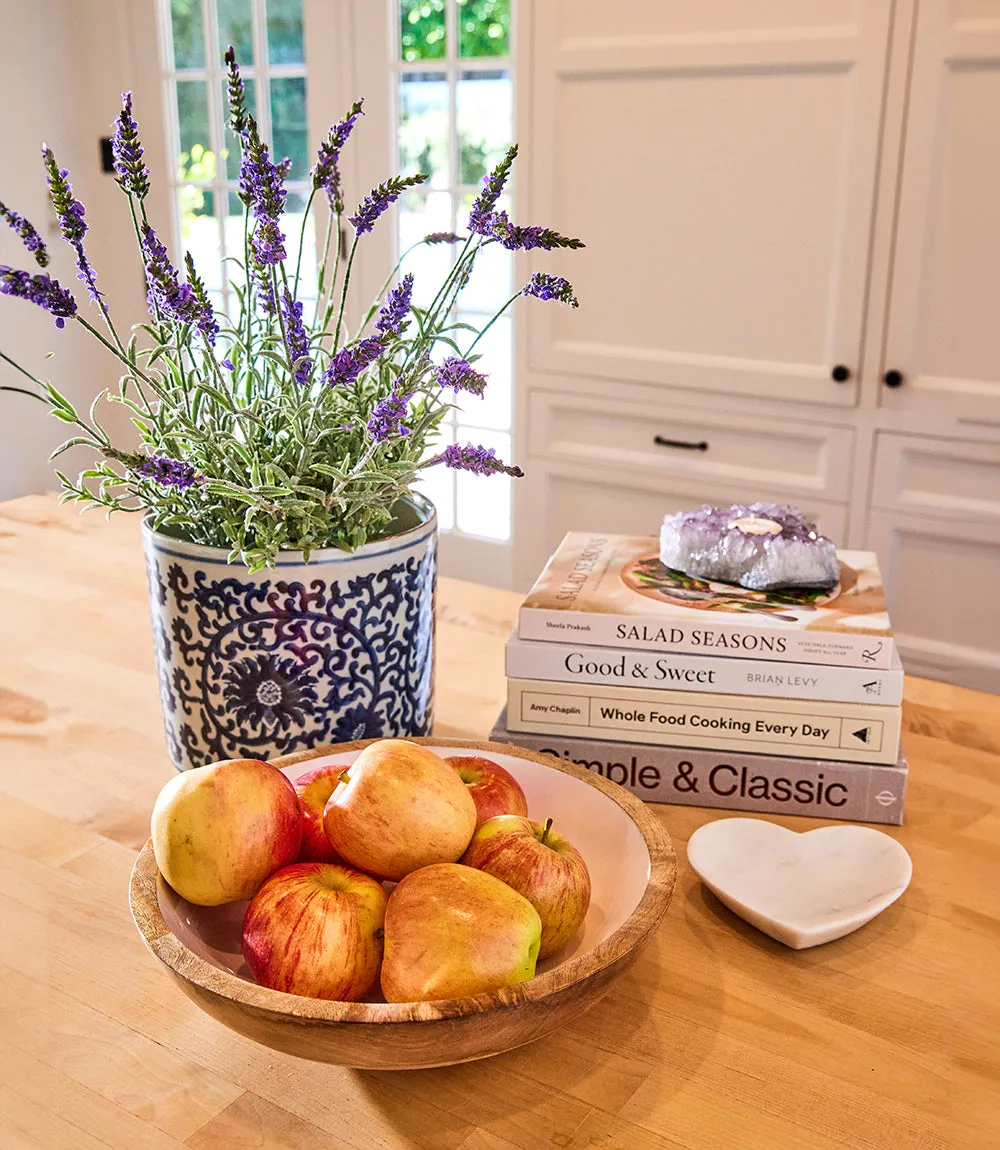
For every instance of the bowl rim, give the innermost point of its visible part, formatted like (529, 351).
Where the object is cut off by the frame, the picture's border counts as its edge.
(632, 934)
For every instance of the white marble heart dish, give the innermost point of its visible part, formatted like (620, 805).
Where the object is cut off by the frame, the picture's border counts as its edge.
(802, 889)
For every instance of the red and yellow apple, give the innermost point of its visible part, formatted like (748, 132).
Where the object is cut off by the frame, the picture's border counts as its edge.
(219, 831)
(539, 864)
(399, 807)
(494, 789)
(452, 931)
(314, 788)
(316, 929)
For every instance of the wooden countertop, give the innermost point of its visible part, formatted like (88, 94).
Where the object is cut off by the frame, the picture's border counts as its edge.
(717, 1037)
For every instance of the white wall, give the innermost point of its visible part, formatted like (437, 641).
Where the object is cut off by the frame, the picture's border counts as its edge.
(65, 64)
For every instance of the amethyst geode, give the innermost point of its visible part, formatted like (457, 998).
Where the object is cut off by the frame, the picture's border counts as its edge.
(760, 546)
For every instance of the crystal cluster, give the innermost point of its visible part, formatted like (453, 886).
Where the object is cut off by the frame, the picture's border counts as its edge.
(760, 546)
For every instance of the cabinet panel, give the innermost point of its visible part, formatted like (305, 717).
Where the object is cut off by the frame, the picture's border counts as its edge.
(753, 452)
(719, 162)
(942, 331)
(940, 579)
(951, 478)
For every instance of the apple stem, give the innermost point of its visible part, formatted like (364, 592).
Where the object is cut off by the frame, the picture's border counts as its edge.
(545, 831)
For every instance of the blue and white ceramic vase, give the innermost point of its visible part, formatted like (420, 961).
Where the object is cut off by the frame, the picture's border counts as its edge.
(296, 655)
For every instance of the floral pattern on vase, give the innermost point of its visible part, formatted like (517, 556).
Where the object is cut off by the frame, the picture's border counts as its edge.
(289, 658)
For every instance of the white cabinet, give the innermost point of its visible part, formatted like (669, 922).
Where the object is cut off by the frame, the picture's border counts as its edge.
(768, 191)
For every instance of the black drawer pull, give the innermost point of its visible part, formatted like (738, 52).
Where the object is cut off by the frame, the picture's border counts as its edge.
(688, 445)
(893, 378)
(841, 373)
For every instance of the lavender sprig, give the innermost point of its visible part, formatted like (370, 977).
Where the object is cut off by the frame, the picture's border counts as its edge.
(477, 459)
(42, 290)
(379, 199)
(351, 361)
(27, 233)
(205, 321)
(133, 175)
(544, 286)
(261, 188)
(392, 319)
(70, 213)
(160, 468)
(388, 415)
(460, 375)
(442, 238)
(326, 170)
(493, 186)
(175, 300)
(236, 92)
(516, 239)
(296, 338)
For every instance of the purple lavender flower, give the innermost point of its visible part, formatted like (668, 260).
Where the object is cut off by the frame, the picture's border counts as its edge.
(392, 318)
(545, 286)
(133, 175)
(493, 185)
(283, 168)
(516, 239)
(460, 375)
(167, 295)
(237, 93)
(27, 234)
(261, 188)
(387, 416)
(260, 273)
(479, 460)
(379, 199)
(296, 339)
(326, 171)
(442, 238)
(205, 319)
(160, 468)
(42, 290)
(350, 362)
(70, 214)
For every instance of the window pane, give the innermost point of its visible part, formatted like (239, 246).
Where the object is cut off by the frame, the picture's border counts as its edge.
(483, 501)
(493, 409)
(483, 27)
(189, 38)
(284, 32)
(200, 233)
(422, 32)
(288, 120)
(196, 161)
(232, 145)
(483, 107)
(438, 483)
(423, 126)
(236, 28)
(419, 216)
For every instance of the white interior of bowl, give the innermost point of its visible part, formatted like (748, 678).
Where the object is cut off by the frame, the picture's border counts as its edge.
(610, 842)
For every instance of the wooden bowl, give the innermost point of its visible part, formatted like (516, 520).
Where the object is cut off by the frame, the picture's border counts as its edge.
(632, 869)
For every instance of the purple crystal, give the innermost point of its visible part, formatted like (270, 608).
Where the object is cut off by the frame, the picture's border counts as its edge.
(760, 546)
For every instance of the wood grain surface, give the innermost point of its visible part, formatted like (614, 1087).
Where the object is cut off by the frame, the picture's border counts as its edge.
(717, 1036)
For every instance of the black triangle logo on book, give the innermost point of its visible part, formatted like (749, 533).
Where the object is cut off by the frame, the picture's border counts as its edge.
(862, 734)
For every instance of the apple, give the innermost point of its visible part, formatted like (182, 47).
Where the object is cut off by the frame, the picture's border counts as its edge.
(316, 929)
(494, 789)
(399, 807)
(451, 931)
(313, 789)
(541, 865)
(219, 831)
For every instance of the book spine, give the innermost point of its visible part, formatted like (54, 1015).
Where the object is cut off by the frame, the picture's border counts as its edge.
(610, 666)
(797, 728)
(855, 792)
(707, 636)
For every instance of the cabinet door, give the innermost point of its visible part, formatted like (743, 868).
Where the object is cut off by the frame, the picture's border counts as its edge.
(719, 161)
(943, 333)
(940, 581)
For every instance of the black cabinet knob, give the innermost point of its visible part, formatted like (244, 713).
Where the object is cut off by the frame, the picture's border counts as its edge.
(841, 373)
(892, 378)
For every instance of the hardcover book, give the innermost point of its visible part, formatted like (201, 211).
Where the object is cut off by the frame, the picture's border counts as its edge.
(734, 781)
(613, 591)
(615, 666)
(798, 728)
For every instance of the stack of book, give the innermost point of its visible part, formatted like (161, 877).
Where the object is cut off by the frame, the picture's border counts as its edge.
(700, 693)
